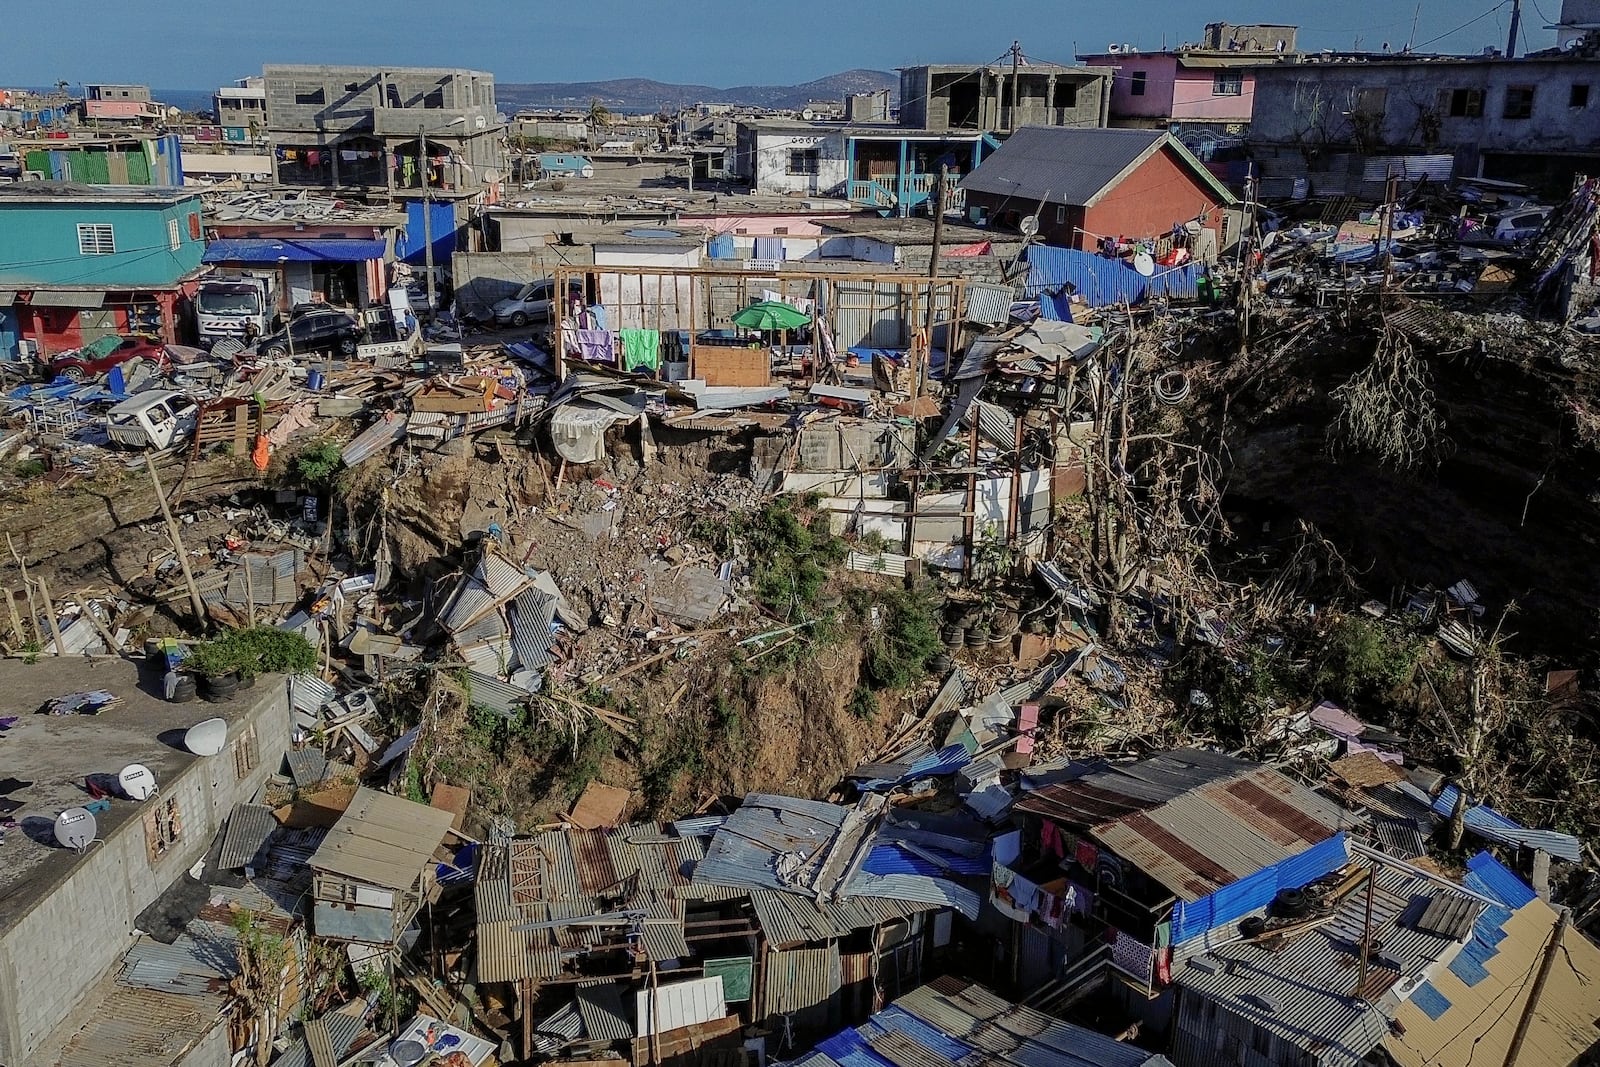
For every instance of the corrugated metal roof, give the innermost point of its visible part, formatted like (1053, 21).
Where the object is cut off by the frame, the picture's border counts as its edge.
(787, 918)
(604, 1019)
(383, 840)
(802, 979)
(1121, 789)
(557, 1030)
(989, 304)
(950, 1021)
(563, 873)
(374, 439)
(244, 843)
(142, 1026)
(330, 1037)
(1493, 826)
(1061, 165)
(498, 696)
(1302, 991)
(1218, 833)
(307, 766)
(200, 961)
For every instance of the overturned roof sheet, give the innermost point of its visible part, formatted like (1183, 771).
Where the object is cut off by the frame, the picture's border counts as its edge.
(1114, 790)
(381, 839)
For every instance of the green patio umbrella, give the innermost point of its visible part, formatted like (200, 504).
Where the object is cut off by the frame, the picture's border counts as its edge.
(771, 315)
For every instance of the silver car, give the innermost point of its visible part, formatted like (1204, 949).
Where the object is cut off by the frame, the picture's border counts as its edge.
(533, 303)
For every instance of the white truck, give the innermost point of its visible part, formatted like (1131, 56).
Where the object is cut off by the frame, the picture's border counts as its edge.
(154, 418)
(229, 305)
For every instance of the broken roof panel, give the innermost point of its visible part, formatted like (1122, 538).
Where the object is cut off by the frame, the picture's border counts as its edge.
(1109, 791)
(1493, 826)
(244, 843)
(382, 839)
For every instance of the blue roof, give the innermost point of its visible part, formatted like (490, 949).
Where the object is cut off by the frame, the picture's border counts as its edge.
(1490, 824)
(305, 250)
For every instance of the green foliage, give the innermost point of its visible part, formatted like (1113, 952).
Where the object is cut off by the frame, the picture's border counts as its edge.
(1240, 687)
(252, 651)
(672, 749)
(31, 652)
(1363, 660)
(29, 468)
(905, 638)
(863, 702)
(317, 464)
(789, 558)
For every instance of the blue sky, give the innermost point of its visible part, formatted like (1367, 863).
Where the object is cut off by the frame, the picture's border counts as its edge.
(189, 44)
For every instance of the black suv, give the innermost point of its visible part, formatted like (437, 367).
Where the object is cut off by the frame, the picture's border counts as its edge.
(313, 332)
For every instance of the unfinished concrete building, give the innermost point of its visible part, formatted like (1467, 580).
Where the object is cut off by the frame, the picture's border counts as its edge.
(1001, 97)
(391, 131)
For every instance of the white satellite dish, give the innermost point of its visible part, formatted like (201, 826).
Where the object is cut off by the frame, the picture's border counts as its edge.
(407, 1052)
(137, 781)
(1144, 263)
(491, 176)
(1029, 226)
(206, 738)
(75, 829)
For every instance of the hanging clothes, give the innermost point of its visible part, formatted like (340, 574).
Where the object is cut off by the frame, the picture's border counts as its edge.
(597, 346)
(1051, 843)
(1087, 855)
(641, 348)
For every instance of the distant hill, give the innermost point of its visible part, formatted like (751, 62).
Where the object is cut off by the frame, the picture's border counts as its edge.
(644, 94)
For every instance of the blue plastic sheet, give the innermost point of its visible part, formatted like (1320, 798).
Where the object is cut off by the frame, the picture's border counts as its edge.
(1100, 282)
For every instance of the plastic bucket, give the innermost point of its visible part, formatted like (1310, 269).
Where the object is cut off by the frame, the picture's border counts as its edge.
(314, 381)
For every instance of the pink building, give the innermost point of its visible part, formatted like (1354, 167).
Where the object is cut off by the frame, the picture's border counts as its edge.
(1211, 84)
(119, 103)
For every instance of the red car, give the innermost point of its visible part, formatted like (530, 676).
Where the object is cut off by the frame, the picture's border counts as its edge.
(99, 356)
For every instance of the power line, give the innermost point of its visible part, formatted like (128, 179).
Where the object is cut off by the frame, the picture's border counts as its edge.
(1464, 25)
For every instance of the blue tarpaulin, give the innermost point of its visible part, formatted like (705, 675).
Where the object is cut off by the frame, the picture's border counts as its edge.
(1253, 892)
(1100, 281)
(892, 859)
(308, 250)
(410, 244)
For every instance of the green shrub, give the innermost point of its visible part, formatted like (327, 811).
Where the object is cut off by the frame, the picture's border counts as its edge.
(317, 464)
(789, 559)
(906, 638)
(253, 651)
(1363, 660)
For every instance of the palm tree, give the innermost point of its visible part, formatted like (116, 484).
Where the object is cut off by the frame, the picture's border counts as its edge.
(599, 115)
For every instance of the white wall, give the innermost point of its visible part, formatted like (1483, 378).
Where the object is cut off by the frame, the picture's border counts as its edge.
(772, 163)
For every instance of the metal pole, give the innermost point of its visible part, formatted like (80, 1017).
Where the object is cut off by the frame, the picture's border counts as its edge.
(427, 214)
(1551, 950)
(1016, 84)
(920, 377)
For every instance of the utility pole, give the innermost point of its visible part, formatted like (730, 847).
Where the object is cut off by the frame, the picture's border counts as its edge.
(427, 213)
(1551, 950)
(933, 272)
(1016, 84)
(1516, 26)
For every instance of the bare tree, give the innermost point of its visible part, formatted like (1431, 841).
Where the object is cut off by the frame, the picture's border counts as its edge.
(1389, 410)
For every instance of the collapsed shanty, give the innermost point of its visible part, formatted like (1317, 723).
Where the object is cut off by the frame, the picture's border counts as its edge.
(966, 585)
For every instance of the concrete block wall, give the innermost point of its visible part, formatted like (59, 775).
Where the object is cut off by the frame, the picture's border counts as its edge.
(55, 953)
(350, 96)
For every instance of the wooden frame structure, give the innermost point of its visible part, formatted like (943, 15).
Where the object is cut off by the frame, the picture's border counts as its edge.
(871, 309)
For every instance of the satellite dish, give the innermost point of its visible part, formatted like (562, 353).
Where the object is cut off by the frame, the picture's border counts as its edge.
(491, 175)
(407, 1053)
(206, 738)
(1029, 226)
(75, 829)
(1144, 263)
(137, 781)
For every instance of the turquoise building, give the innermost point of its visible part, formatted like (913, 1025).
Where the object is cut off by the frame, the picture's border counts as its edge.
(78, 262)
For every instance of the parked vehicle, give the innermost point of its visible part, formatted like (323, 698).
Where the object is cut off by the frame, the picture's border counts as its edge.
(316, 331)
(100, 356)
(155, 418)
(238, 306)
(532, 303)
